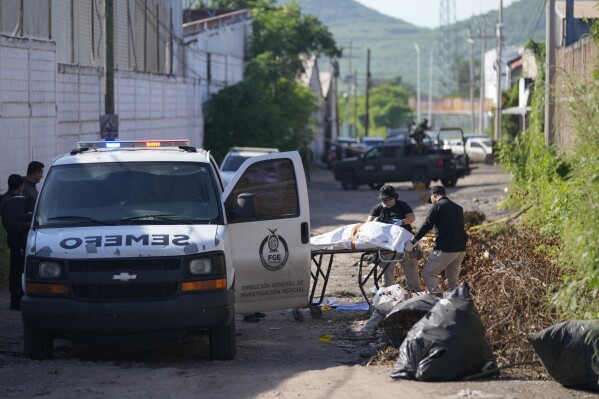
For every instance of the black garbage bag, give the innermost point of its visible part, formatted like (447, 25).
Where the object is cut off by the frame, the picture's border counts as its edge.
(447, 344)
(404, 315)
(569, 352)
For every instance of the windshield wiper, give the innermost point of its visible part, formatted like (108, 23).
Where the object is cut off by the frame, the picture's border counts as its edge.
(163, 218)
(77, 218)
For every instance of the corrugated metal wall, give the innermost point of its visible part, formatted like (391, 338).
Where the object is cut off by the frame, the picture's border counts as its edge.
(143, 31)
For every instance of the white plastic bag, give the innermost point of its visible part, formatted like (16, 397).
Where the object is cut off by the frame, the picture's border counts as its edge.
(386, 298)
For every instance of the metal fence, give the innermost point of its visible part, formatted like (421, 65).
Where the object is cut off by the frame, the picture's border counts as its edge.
(144, 30)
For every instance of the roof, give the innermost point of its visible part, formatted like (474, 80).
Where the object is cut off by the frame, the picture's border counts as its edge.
(582, 9)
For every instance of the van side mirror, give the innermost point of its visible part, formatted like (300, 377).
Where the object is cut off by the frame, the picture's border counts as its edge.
(245, 209)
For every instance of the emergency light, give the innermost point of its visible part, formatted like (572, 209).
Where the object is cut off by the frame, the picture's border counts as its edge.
(134, 144)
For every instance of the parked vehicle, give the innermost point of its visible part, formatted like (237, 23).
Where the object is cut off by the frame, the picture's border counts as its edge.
(237, 156)
(479, 149)
(371, 141)
(135, 241)
(404, 160)
(344, 147)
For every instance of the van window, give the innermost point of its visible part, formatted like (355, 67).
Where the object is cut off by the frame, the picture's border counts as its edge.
(129, 193)
(273, 184)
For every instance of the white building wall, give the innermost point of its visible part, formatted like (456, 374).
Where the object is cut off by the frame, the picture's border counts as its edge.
(226, 46)
(27, 104)
(45, 107)
(507, 54)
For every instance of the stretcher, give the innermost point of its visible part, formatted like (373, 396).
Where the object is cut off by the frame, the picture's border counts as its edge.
(322, 262)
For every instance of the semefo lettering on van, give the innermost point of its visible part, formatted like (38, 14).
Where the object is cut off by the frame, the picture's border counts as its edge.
(271, 256)
(126, 240)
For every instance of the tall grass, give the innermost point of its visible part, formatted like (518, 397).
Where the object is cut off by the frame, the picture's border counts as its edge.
(563, 190)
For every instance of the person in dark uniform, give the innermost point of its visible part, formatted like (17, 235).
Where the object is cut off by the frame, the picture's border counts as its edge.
(35, 173)
(450, 241)
(392, 210)
(418, 135)
(15, 220)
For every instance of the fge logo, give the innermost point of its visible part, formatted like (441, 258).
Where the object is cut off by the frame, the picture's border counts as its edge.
(271, 255)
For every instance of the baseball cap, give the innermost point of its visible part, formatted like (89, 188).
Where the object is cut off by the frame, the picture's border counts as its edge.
(387, 191)
(436, 190)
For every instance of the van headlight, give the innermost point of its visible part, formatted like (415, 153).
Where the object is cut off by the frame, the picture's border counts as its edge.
(200, 266)
(49, 270)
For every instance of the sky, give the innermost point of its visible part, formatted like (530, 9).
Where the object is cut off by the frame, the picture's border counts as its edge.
(425, 13)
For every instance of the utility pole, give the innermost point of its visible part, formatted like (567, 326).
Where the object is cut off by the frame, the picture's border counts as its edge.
(550, 73)
(367, 116)
(108, 58)
(349, 80)
(108, 121)
(497, 135)
(481, 122)
(430, 89)
(417, 82)
(471, 44)
(355, 77)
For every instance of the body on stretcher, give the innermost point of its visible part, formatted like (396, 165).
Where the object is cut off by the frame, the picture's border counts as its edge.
(368, 239)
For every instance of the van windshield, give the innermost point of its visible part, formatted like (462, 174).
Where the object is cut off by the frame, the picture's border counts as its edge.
(129, 193)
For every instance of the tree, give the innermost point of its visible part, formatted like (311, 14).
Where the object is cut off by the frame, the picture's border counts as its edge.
(388, 107)
(269, 107)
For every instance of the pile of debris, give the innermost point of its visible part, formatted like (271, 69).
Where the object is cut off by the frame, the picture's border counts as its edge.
(509, 276)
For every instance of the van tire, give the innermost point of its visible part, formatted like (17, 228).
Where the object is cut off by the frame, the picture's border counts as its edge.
(222, 342)
(38, 346)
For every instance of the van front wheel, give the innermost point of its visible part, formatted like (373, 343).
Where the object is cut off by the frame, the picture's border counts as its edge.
(222, 342)
(38, 346)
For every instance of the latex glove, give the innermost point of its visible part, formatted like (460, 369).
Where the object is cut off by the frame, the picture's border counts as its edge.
(377, 219)
(398, 222)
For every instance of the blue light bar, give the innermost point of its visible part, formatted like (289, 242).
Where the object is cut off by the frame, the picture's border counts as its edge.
(113, 144)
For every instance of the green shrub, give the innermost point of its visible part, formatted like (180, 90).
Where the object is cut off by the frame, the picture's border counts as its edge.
(563, 192)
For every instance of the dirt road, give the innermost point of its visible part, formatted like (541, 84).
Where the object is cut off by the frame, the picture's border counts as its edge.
(277, 357)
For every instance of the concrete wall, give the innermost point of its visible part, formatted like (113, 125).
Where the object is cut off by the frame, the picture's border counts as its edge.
(46, 107)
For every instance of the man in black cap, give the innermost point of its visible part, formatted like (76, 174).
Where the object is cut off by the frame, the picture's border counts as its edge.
(450, 241)
(392, 210)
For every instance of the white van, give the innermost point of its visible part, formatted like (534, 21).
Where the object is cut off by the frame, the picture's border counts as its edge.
(136, 240)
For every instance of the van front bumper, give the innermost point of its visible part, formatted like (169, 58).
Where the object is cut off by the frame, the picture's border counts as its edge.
(169, 318)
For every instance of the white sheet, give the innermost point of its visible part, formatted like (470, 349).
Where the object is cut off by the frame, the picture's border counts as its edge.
(371, 235)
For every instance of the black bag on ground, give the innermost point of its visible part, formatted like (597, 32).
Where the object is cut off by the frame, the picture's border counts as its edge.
(447, 344)
(404, 315)
(569, 352)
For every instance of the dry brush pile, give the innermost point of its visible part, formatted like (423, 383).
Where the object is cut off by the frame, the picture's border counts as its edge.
(510, 277)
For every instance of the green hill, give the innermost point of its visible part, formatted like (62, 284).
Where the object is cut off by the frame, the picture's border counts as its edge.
(391, 41)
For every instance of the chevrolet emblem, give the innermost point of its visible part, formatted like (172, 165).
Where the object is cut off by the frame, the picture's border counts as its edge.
(124, 276)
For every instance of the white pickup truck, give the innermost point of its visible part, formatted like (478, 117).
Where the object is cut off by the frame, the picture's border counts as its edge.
(479, 149)
(140, 240)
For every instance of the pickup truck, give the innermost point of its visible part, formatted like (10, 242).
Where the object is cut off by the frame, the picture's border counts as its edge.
(479, 149)
(402, 159)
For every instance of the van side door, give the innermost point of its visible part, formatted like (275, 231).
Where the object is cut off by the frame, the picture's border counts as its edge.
(268, 216)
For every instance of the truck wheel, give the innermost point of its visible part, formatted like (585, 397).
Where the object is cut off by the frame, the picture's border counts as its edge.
(375, 186)
(449, 182)
(348, 181)
(489, 159)
(420, 179)
(222, 342)
(38, 346)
